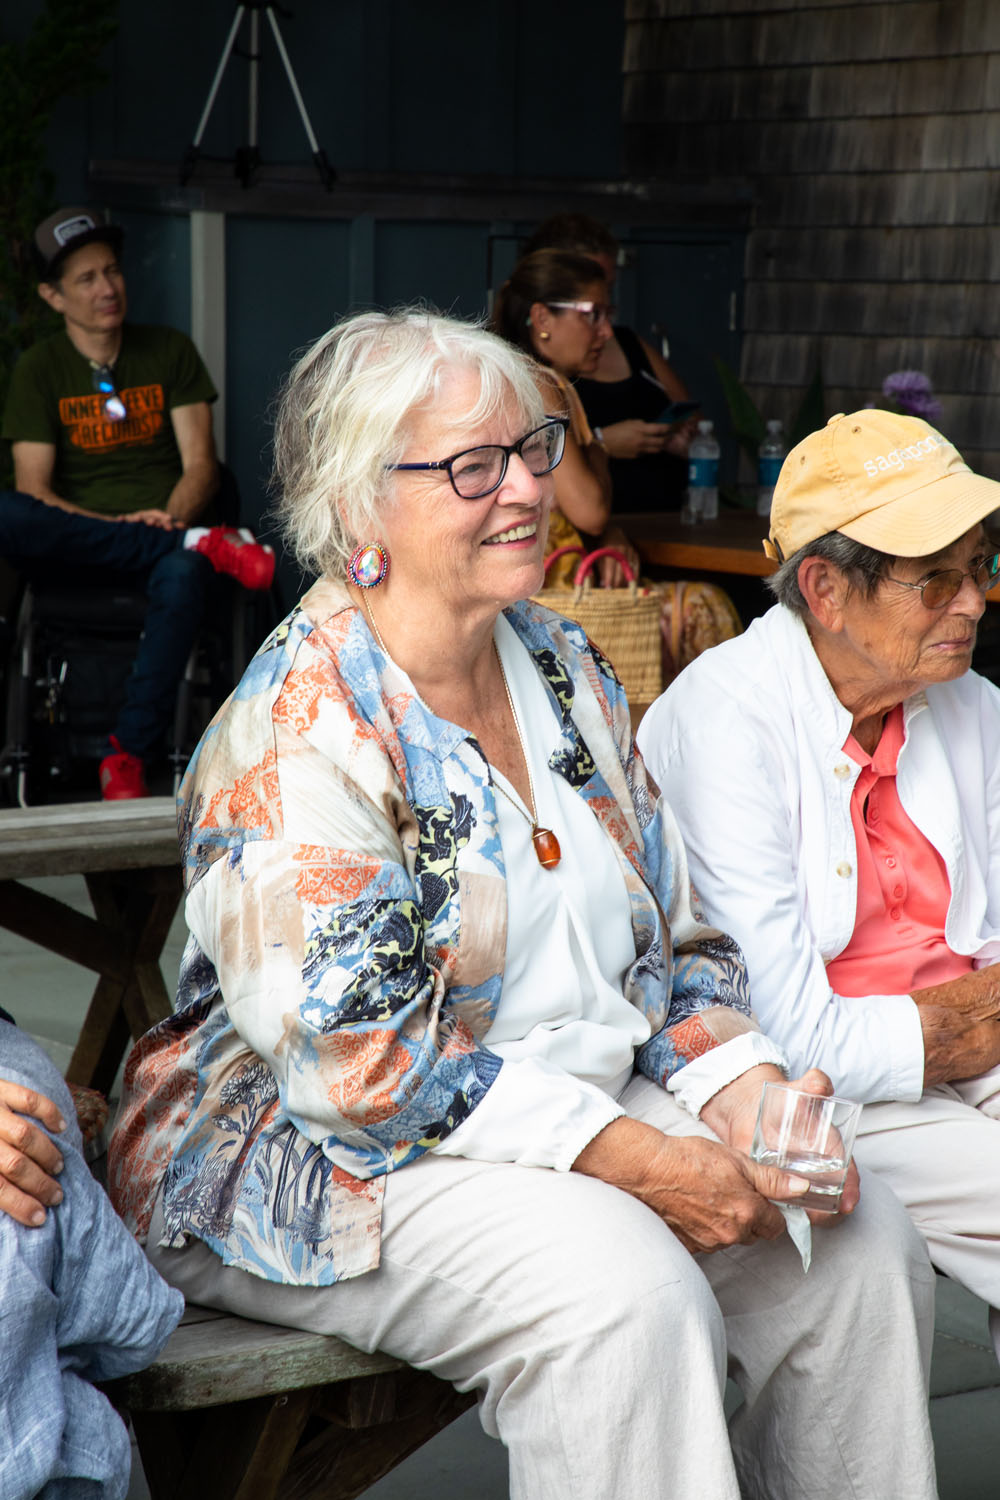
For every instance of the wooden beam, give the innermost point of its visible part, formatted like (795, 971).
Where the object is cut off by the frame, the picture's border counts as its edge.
(70, 934)
(208, 306)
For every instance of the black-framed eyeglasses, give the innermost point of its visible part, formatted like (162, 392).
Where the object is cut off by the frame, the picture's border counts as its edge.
(592, 311)
(477, 472)
(940, 588)
(103, 380)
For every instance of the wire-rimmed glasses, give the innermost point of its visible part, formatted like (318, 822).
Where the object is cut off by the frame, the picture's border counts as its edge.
(103, 378)
(477, 472)
(940, 588)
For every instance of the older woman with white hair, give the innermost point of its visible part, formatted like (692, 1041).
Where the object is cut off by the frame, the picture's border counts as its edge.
(455, 1071)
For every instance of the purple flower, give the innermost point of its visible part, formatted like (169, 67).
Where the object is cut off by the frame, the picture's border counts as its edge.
(910, 392)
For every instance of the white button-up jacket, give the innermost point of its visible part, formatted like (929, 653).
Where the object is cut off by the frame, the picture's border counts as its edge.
(747, 745)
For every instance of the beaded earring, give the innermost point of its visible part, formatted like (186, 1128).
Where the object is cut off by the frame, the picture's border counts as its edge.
(369, 565)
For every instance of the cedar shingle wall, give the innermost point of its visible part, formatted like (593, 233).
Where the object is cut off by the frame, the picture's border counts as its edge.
(870, 130)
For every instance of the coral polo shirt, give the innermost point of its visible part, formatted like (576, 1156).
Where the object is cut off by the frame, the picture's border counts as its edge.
(898, 944)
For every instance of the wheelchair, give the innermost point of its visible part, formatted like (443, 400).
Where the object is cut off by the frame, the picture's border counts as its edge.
(68, 668)
(70, 650)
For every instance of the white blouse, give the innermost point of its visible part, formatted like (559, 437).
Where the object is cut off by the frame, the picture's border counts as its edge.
(563, 1027)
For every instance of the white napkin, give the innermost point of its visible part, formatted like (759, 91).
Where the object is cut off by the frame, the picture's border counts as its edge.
(799, 1231)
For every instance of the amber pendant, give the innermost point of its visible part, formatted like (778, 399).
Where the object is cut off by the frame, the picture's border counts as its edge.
(547, 849)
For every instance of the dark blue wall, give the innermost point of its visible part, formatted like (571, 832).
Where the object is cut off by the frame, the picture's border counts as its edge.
(517, 87)
(513, 88)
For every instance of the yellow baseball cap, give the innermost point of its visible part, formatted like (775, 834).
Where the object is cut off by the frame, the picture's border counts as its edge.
(888, 481)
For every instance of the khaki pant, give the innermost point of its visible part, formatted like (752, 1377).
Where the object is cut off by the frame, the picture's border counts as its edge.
(600, 1347)
(941, 1157)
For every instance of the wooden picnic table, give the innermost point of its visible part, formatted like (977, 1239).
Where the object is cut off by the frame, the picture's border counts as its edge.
(127, 853)
(729, 544)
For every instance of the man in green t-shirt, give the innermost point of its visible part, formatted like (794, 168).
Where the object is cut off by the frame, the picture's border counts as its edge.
(109, 423)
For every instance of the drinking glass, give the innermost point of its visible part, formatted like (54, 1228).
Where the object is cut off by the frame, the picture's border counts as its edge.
(811, 1135)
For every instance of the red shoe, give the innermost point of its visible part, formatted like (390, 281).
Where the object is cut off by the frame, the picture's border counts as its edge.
(121, 775)
(238, 554)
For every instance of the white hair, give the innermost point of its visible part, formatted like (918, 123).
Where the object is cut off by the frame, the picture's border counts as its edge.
(344, 412)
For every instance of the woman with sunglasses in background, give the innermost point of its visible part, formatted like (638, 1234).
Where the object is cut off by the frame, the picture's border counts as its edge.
(630, 393)
(442, 976)
(555, 308)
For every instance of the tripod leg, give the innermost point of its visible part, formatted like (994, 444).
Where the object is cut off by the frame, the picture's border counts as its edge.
(191, 154)
(324, 168)
(248, 158)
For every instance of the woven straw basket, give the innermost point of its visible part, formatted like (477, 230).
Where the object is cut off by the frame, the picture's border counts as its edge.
(624, 623)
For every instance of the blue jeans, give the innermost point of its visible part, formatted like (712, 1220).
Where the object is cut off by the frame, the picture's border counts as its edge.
(43, 542)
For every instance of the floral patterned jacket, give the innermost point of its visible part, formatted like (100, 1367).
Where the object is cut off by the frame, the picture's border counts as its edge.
(347, 900)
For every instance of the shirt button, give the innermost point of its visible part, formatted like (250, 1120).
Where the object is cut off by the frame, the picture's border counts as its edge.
(844, 870)
(894, 913)
(898, 892)
(890, 862)
(842, 770)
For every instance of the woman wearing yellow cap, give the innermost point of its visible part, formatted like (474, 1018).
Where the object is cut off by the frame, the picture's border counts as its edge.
(836, 778)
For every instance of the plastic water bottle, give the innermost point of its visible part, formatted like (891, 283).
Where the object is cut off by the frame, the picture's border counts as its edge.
(770, 457)
(702, 502)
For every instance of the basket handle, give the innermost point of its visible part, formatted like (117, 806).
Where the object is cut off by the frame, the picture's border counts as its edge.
(562, 552)
(592, 557)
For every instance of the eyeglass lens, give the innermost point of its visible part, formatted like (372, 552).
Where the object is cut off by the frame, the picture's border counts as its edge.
(593, 312)
(941, 589)
(481, 470)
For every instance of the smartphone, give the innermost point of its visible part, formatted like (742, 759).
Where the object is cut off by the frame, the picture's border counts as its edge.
(678, 410)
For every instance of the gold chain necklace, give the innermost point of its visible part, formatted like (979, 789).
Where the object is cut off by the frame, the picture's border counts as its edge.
(371, 617)
(546, 845)
(547, 850)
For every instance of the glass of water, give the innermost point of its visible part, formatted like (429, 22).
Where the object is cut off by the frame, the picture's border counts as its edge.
(811, 1135)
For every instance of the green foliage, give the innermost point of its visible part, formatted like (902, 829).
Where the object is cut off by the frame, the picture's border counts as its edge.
(748, 423)
(57, 59)
(811, 414)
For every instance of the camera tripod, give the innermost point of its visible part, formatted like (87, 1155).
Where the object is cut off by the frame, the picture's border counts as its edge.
(247, 158)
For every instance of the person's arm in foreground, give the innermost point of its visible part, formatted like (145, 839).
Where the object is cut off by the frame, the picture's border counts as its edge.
(960, 1022)
(29, 1162)
(709, 1192)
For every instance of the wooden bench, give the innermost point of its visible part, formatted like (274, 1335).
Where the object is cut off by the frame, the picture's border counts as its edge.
(237, 1410)
(128, 855)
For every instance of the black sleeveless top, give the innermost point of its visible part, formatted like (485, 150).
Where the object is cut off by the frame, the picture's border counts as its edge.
(652, 481)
